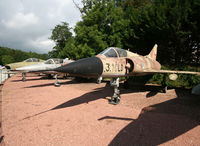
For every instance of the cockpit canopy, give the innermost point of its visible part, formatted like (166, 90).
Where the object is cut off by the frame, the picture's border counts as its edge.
(32, 60)
(54, 61)
(114, 52)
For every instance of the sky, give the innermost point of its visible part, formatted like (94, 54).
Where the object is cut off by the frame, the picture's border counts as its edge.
(27, 24)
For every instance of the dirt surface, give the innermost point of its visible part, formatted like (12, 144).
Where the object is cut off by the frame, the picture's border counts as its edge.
(37, 113)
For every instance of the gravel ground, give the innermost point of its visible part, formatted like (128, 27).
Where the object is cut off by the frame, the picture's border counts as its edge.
(37, 113)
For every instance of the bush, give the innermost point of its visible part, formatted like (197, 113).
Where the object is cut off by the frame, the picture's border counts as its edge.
(183, 81)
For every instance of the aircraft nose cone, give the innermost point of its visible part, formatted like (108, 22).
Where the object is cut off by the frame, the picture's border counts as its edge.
(92, 67)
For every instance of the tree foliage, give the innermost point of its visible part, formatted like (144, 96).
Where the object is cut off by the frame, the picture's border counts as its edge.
(60, 35)
(136, 25)
(7, 59)
(8, 55)
(170, 23)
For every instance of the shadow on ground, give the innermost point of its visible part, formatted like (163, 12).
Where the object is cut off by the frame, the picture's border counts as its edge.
(161, 122)
(156, 124)
(73, 81)
(34, 79)
(98, 93)
(153, 89)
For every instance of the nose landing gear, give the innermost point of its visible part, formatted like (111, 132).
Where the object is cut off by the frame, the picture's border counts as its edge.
(115, 99)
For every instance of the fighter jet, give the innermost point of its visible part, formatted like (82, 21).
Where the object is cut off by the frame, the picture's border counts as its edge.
(29, 61)
(46, 65)
(114, 63)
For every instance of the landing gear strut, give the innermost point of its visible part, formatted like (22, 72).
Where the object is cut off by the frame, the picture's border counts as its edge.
(115, 99)
(164, 85)
(23, 76)
(57, 84)
(99, 80)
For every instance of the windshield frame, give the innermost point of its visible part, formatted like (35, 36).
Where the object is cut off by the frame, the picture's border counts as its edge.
(118, 52)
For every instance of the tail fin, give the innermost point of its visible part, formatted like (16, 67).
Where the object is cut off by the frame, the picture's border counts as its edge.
(153, 53)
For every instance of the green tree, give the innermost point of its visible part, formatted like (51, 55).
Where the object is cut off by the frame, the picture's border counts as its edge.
(6, 59)
(136, 25)
(69, 51)
(7, 54)
(102, 26)
(60, 35)
(172, 24)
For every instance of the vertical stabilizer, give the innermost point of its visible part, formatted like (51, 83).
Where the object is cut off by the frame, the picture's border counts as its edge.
(153, 53)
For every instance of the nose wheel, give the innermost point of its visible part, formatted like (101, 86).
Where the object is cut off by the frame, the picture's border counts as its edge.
(99, 80)
(115, 99)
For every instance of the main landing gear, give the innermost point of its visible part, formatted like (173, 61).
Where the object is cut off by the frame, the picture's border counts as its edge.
(56, 84)
(115, 99)
(164, 85)
(23, 76)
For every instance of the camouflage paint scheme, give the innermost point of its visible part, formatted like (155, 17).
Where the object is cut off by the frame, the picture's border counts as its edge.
(126, 63)
(131, 64)
(117, 62)
(30, 61)
(114, 63)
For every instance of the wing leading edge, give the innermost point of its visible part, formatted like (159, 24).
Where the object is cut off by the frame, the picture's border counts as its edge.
(172, 72)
